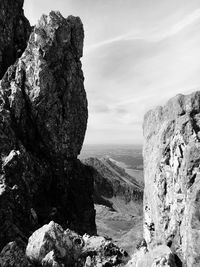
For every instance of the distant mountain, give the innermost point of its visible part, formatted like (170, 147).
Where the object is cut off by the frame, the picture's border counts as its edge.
(118, 201)
(128, 157)
(113, 187)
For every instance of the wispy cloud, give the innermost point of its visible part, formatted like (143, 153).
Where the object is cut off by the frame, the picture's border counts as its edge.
(127, 36)
(158, 34)
(154, 35)
(188, 20)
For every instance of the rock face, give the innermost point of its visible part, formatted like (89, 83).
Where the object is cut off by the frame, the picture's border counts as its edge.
(43, 118)
(14, 32)
(172, 180)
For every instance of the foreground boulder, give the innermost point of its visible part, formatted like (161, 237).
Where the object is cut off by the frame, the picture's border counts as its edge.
(172, 180)
(43, 118)
(14, 32)
(52, 246)
(52, 242)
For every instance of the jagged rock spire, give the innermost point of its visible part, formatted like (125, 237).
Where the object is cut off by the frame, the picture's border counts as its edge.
(43, 118)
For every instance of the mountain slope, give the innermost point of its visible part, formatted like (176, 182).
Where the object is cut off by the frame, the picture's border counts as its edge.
(118, 201)
(113, 187)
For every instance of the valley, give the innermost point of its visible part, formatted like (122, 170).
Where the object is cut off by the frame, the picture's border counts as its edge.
(118, 195)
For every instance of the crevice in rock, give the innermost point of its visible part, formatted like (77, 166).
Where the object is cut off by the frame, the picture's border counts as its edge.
(178, 261)
(191, 180)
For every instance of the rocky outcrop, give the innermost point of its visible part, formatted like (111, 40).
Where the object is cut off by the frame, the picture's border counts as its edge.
(14, 32)
(43, 118)
(172, 180)
(52, 246)
(111, 182)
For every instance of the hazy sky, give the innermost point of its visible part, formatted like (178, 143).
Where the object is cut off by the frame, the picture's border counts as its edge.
(137, 54)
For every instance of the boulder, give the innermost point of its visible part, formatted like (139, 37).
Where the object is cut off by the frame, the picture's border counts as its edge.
(51, 243)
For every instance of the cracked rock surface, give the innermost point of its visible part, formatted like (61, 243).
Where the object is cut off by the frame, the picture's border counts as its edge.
(172, 181)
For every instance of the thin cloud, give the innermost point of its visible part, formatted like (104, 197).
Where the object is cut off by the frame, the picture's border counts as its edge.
(155, 35)
(128, 36)
(188, 20)
(178, 27)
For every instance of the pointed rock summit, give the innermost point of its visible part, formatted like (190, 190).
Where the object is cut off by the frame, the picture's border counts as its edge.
(43, 91)
(43, 118)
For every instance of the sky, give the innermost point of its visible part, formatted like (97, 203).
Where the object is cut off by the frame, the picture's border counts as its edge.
(137, 55)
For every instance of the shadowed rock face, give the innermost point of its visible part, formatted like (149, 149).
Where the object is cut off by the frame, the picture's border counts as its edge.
(14, 32)
(172, 180)
(43, 118)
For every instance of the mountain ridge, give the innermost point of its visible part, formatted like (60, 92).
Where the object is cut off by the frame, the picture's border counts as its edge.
(111, 182)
